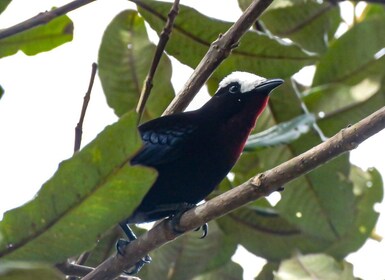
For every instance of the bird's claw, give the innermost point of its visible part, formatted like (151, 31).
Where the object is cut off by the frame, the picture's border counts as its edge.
(120, 248)
(121, 245)
(205, 230)
(175, 220)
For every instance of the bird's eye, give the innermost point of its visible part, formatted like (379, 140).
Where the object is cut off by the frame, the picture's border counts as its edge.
(234, 89)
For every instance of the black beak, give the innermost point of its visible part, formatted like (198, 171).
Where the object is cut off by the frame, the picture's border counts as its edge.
(268, 85)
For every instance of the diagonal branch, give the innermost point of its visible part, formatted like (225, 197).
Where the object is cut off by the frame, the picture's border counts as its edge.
(42, 18)
(218, 51)
(163, 39)
(256, 187)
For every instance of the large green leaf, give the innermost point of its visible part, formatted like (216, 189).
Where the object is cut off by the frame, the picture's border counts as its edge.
(309, 23)
(283, 133)
(229, 271)
(39, 39)
(125, 58)
(189, 256)
(193, 33)
(321, 266)
(89, 193)
(351, 58)
(28, 270)
(347, 115)
(4, 4)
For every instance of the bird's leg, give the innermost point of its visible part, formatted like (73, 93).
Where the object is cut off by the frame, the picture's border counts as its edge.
(175, 219)
(122, 243)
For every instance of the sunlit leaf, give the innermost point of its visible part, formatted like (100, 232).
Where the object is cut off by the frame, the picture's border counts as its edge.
(309, 23)
(306, 267)
(283, 133)
(89, 194)
(125, 57)
(28, 270)
(193, 33)
(39, 39)
(350, 58)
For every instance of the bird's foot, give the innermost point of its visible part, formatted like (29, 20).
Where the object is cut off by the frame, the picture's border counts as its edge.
(205, 230)
(120, 248)
(175, 220)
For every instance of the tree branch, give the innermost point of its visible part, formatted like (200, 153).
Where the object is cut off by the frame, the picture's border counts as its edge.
(79, 126)
(163, 39)
(81, 270)
(42, 18)
(218, 51)
(261, 185)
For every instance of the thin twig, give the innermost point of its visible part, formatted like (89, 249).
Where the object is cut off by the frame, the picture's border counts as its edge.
(256, 187)
(219, 50)
(79, 126)
(163, 39)
(42, 18)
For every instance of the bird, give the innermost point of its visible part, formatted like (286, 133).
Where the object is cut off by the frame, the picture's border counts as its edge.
(194, 151)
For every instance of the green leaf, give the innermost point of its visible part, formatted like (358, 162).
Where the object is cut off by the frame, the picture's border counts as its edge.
(229, 271)
(347, 115)
(189, 256)
(4, 4)
(125, 57)
(243, 4)
(372, 10)
(193, 33)
(1, 92)
(39, 39)
(105, 247)
(267, 272)
(283, 133)
(28, 270)
(350, 59)
(89, 194)
(317, 266)
(368, 190)
(309, 24)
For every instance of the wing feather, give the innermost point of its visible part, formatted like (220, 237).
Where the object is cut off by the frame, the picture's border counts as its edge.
(164, 140)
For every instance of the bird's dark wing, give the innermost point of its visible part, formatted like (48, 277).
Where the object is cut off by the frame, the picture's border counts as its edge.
(163, 139)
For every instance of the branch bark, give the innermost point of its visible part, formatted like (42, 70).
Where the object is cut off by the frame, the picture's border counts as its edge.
(42, 18)
(261, 185)
(218, 51)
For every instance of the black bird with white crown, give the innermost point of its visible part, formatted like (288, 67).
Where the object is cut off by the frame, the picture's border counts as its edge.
(193, 151)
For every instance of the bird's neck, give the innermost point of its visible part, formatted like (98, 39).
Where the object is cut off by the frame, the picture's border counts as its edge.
(236, 129)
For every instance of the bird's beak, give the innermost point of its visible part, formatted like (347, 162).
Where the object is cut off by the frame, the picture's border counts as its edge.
(268, 85)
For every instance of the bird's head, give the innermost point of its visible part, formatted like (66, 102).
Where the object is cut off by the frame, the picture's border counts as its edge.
(242, 91)
(243, 84)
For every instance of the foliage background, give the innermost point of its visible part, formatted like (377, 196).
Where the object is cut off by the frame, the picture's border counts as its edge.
(41, 111)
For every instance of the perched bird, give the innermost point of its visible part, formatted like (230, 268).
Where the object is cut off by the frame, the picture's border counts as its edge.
(193, 151)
